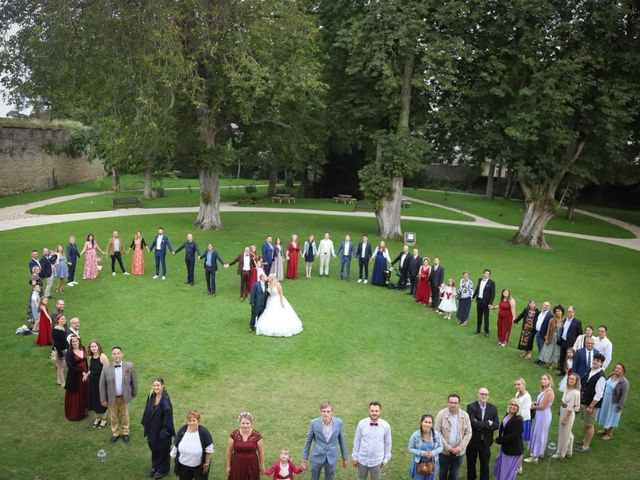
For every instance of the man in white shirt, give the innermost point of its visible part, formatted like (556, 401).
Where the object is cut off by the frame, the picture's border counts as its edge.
(604, 346)
(591, 394)
(372, 444)
(325, 251)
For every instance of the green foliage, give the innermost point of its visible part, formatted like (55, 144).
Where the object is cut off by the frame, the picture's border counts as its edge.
(250, 189)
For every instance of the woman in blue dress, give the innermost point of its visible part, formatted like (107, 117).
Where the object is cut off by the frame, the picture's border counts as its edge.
(62, 268)
(615, 395)
(381, 260)
(309, 253)
(425, 445)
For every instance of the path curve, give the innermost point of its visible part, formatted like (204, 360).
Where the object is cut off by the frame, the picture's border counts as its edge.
(15, 217)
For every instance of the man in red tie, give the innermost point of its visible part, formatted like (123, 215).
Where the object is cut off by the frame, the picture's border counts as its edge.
(371, 444)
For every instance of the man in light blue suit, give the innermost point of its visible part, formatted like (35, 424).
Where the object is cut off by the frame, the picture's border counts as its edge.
(326, 433)
(345, 253)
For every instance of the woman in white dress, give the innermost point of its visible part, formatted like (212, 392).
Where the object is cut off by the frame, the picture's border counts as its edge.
(278, 319)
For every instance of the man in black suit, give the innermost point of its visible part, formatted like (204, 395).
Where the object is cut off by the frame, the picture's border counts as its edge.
(46, 273)
(403, 268)
(484, 295)
(583, 358)
(484, 421)
(211, 257)
(258, 300)
(72, 258)
(435, 280)
(364, 252)
(34, 262)
(191, 251)
(571, 329)
(542, 323)
(415, 262)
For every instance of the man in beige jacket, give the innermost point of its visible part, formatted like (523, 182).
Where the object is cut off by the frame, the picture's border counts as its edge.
(454, 426)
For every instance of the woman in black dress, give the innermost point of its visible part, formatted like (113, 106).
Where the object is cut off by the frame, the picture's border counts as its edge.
(60, 347)
(157, 421)
(97, 360)
(529, 316)
(76, 384)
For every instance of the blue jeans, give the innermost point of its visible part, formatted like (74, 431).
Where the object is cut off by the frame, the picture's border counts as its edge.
(539, 340)
(345, 260)
(450, 466)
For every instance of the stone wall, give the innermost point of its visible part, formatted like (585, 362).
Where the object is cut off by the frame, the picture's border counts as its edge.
(31, 159)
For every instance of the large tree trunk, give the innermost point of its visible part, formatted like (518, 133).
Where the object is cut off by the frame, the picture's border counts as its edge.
(209, 213)
(304, 181)
(490, 179)
(273, 177)
(116, 179)
(389, 214)
(238, 171)
(148, 183)
(508, 190)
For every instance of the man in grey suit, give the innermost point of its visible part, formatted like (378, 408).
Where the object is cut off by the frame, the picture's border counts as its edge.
(118, 385)
(326, 433)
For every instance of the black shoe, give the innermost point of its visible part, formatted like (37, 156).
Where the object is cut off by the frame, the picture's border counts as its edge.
(538, 362)
(152, 473)
(125, 438)
(114, 439)
(159, 475)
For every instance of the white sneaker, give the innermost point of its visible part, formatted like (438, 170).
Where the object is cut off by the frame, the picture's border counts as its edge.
(155, 276)
(126, 273)
(365, 281)
(531, 460)
(359, 280)
(113, 273)
(163, 277)
(70, 284)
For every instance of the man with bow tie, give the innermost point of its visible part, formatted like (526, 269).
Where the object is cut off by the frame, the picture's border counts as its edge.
(371, 444)
(244, 261)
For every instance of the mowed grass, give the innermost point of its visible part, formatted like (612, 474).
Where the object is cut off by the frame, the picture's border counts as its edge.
(360, 343)
(630, 216)
(510, 212)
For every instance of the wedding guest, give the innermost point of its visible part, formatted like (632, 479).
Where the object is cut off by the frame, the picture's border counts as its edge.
(157, 421)
(91, 258)
(524, 402)
(72, 259)
(465, 294)
(542, 420)
(484, 295)
(191, 250)
(372, 444)
(542, 323)
(244, 261)
(582, 359)
(245, 451)
(436, 279)
(35, 278)
(510, 440)
(33, 312)
(211, 259)
(34, 261)
(506, 313)
(74, 328)
(61, 268)
(277, 265)
(604, 345)
(415, 263)
(550, 353)
(309, 253)
(268, 255)
(60, 347)
(569, 407)
(118, 386)
(326, 434)
(423, 290)
(403, 267)
(562, 386)
(159, 246)
(425, 444)
(363, 252)
(76, 384)
(325, 252)
(44, 324)
(484, 421)
(580, 339)
(192, 449)
(381, 261)
(448, 298)
(256, 264)
(115, 248)
(293, 250)
(138, 245)
(58, 311)
(345, 253)
(528, 316)
(615, 396)
(47, 270)
(571, 328)
(283, 468)
(591, 393)
(97, 361)
(454, 427)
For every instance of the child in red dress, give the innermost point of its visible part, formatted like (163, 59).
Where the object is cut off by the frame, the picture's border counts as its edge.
(283, 469)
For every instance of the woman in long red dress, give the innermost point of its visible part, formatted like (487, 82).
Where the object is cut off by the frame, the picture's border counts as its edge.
(506, 314)
(76, 384)
(423, 291)
(45, 336)
(293, 252)
(138, 245)
(245, 451)
(253, 265)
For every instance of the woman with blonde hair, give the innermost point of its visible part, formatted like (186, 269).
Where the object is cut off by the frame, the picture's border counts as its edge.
(510, 440)
(542, 420)
(568, 408)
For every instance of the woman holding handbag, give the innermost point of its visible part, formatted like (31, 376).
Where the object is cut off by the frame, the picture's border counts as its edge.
(425, 444)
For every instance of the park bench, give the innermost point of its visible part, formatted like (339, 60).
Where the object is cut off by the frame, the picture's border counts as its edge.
(279, 198)
(344, 199)
(405, 204)
(126, 202)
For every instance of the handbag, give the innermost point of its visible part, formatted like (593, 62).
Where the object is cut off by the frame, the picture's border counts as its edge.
(426, 468)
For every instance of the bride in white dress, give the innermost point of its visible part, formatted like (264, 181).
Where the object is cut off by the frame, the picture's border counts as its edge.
(278, 319)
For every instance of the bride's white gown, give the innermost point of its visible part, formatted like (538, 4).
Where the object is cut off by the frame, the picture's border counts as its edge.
(276, 320)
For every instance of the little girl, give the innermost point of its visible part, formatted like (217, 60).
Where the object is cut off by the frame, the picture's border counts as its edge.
(562, 386)
(283, 468)
(448, 302)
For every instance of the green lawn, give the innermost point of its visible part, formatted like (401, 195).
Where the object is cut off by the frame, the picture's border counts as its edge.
(360, 343)
(509, 212)
(630, 216)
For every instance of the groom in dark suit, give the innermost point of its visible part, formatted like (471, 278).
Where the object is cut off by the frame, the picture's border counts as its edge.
(257, 300)
(485, 294)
